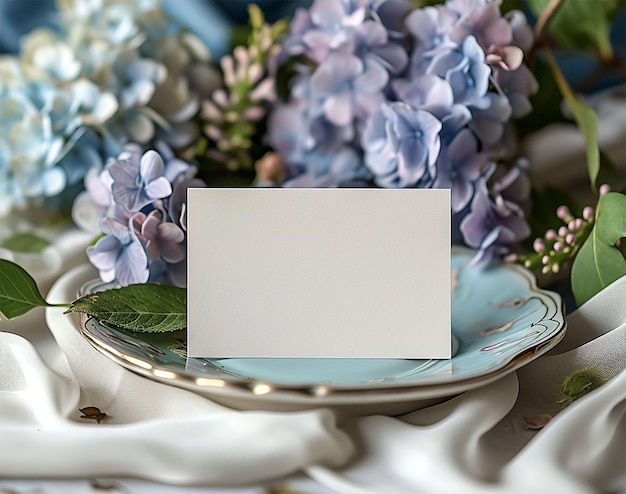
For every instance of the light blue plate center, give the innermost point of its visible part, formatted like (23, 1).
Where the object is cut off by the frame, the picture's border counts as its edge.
(497, 314)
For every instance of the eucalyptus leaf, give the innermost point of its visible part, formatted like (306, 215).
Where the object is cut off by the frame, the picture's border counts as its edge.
(599, 263)
(145, 307)
(585, 117)
(25, 242)
(582, 25)
(18, 291)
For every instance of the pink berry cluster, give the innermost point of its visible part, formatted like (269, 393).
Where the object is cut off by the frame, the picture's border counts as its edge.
(559, 246)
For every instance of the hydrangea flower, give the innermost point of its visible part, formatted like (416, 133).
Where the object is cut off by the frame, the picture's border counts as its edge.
(441, 120)
(491, 227)
(401, 146)
(138, 200)
(114, 71)
(138, 182)
(119, 255)
(348, 87)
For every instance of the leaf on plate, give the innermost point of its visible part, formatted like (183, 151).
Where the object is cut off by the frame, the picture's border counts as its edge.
(18, 291)
(581, 25)
(586, 119)
(145, 307)
(25, 242)
(599, 263)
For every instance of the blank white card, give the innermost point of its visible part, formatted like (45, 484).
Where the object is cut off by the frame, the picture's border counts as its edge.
(345, 273)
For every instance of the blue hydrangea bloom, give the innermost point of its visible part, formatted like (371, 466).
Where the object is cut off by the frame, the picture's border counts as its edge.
(464, 68)
(401, 145)
(349, 87)
(340, 168)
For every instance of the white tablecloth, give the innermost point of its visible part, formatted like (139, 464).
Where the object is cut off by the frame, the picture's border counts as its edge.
(159, 438)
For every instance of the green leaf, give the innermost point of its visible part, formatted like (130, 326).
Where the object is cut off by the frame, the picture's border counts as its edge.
(18, 291)
(611, 217)
(25, 242)
(148, 307)
(582, 24)
(599, 263)
(585, 117)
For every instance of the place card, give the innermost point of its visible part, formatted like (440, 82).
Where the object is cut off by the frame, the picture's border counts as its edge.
(320, 273)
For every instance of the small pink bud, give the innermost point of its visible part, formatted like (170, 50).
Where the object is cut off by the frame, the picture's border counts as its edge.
(571, 226)
(570, 238)
(558, 247)
(578, 224)
(563, 231)
(550, 234)
(545, 260)
(562, 212)
(538, 245)
(588, 213)
(604, 189)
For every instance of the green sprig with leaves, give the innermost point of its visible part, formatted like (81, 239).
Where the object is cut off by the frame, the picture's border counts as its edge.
(147, 307)
(590, 245)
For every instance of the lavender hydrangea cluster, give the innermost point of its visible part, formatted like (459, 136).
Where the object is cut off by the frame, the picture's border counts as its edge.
(394, 96)
(115, 71)
(138, 202)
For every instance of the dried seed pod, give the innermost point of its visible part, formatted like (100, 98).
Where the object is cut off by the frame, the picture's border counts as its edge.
(93, 413)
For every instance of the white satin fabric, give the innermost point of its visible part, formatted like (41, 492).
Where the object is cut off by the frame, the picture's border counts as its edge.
(474, 443)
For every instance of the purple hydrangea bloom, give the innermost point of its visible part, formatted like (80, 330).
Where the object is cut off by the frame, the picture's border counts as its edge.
(513, 186)
(480, 19)
(370, 41)
(348, 87)
(120, 256)
(517, 86)
(143, 221)
(162, 239)
(460, 164)
(429, 26)
(426, 92)
(492, 227)
(401, 146)
(391, 14)
(488, 123)
(138, 182)
(324, 27)
(295, 134)
(443, 121)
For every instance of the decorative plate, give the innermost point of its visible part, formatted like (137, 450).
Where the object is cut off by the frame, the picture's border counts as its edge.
(500, 321)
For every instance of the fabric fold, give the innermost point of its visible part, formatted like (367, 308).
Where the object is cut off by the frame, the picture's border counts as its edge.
(151, 431)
